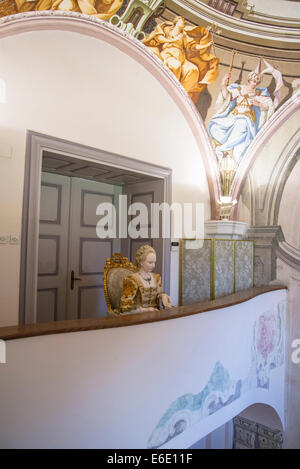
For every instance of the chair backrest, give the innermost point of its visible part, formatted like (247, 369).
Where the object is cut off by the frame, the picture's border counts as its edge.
(115, 270)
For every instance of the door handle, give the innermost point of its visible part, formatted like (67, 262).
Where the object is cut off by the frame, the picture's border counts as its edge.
(73, 278)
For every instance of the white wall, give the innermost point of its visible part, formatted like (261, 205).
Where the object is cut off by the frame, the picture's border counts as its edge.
(291, 277)
(110, 388)
(83, 90)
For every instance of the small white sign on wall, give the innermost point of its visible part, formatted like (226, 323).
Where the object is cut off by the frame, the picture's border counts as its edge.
(2, 351)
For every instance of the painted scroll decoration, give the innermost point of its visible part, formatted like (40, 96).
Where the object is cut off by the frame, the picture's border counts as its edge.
(221, 390)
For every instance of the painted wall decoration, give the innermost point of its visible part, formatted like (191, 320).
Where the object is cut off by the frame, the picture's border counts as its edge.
(186, 51)
(221, 390)
(189, 408)
(212, 268)
(136, 17)
(102, 9)
(242, 111)
(268, 351)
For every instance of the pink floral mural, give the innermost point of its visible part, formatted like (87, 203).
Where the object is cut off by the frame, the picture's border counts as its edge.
(266, 336)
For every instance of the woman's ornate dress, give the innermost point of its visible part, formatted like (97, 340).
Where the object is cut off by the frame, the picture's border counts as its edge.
(139, 293)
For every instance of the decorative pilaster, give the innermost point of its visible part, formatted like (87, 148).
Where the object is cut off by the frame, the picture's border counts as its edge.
(266, 241)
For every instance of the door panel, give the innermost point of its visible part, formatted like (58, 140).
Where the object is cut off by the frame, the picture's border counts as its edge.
(93, 253)
(88, 253)
(47, 304)
(53, 247)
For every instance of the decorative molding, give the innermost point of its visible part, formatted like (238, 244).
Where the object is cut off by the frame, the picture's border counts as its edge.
(275, 34)
(84, 192)
(266, 242)
(58, 209)
(289, 254)
(55, 293)
(246, 10)
(141, 194)
(225, 229)
(81, 247)
(55, 238)
(90, 26)
(267, 232)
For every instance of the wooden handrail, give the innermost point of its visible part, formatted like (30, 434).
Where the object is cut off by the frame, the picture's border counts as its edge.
(58, 327)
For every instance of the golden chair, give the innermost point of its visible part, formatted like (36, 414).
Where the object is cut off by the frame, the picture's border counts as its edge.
(115, 270)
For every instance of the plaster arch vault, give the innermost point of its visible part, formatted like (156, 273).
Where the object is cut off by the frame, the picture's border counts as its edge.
(104, 31)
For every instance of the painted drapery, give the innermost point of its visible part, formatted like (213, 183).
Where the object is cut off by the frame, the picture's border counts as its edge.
(186, 51)
(238, 119)
(102, 9)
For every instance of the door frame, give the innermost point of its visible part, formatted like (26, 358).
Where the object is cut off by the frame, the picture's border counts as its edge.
(36, 143)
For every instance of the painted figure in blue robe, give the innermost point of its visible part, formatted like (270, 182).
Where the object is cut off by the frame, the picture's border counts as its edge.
(242, 110)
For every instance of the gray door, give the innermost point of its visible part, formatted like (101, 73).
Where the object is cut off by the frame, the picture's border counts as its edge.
(87, 252)
(53, 247)
(71, 257)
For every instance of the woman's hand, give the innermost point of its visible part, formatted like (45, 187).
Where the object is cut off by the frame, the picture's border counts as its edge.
(166, 300)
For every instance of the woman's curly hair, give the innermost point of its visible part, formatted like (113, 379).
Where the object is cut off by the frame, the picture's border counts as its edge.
(142, 253)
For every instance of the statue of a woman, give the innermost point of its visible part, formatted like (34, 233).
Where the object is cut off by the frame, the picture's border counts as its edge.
(142, 291)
